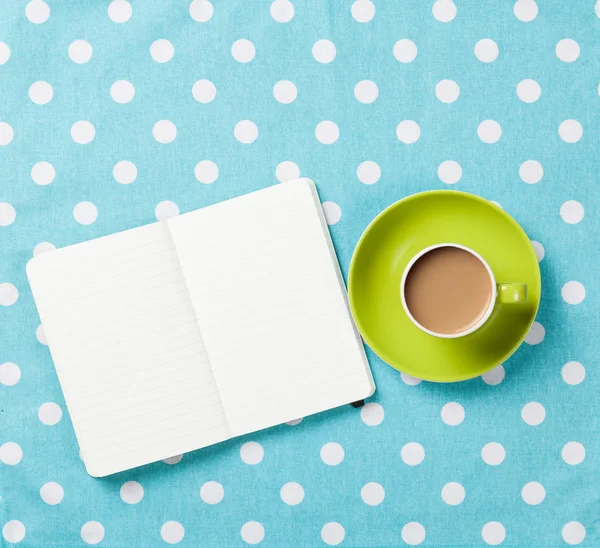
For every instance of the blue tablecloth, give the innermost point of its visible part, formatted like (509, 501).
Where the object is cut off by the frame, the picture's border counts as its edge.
(115, 114)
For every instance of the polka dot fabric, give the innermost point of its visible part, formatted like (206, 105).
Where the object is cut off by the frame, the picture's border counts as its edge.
(117, 113)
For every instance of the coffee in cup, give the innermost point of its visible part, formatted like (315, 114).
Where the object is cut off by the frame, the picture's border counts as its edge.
(448, 290)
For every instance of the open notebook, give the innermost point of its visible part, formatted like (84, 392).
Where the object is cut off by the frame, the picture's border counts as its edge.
(184, 333)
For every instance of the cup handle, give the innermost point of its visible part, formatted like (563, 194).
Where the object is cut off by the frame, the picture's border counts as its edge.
(511, 293)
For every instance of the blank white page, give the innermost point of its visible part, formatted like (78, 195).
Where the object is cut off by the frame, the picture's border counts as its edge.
(127, 349)
(271, 306)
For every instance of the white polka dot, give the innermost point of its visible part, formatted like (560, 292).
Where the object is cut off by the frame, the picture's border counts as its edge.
(539, 250)
(204, 91)
(533, 413)
(164, 131)
(122, 91)
(85, 213)
(366, 91)
(489, 131)
(287, 171)
(125, 172)
(6, 134)
(409, 379)
(252, 452)
(206, 172)
(412, 453)
(246, 131)
(13, 531)
(413, 533)
(368, 172)
(363, 10)
(493, 453)
(444, 10)
(292, 493)
(37, 11)
(449, 172)
(598, 9)
(119, 11)
(573, 453)
(294, 422)
(131, 492)
(92, 532)
(324, 51)
(332, 212)
(285, 92)
(50, 413)
(570, 131)
(525, 10)
(212, 492)
(573, 292)
(252, 532)
(11, 453)
(243, 51)
(7, 214)
(486, 50)
(536, 334)
(327, 132)
(172, 532)
(8, 294)
(573, 533)
(528, 91)
(282, 11)
(493, 533)
(372, 493)
(162, 50)
(83, 132)
(453, 413)
(166, 210)
(173, 460)
(372, 414)
(201, 11)
(52, 493)
(453, 493)
(332, 453)
(43, 173)
(572, 373)
(4, 53)
(533, 493)
(408, 131)
(41, 92)
(447, 91)
(80, 51)
(405, 50)
(10, 374)
(494, 377)
(531, 172)
(572, 212)
(567, 50)
(333, 533)
(40, 335)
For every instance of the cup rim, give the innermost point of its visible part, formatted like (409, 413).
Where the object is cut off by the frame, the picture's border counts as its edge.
(483, 318)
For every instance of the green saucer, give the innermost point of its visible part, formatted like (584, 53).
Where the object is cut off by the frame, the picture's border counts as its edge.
(399, 233)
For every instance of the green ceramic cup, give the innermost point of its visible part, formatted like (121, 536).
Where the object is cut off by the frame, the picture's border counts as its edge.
(505, 292)
(400, 233)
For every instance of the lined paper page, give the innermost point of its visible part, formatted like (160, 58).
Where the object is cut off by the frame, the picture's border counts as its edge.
(271, 306)
(127, 349)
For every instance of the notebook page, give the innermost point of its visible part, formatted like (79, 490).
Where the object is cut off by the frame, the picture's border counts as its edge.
(126, 346)
(271, 306)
